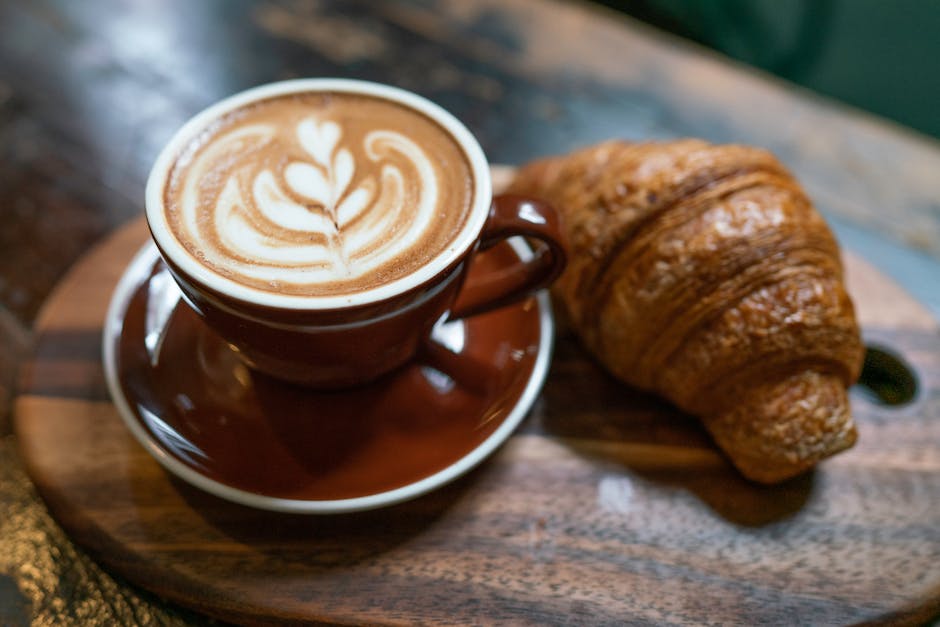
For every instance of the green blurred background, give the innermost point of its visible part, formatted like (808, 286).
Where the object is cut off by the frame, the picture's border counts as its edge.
(879, 55)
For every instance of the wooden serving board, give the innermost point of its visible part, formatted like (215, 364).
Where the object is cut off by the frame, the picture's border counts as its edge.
(607, 506)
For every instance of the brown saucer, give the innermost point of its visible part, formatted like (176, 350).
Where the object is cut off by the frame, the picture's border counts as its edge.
(246, 437)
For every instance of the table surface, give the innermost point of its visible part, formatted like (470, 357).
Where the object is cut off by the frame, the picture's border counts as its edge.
(90, 91)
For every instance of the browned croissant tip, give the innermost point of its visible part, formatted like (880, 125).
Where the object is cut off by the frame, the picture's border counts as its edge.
(693, 265)
(780, 429)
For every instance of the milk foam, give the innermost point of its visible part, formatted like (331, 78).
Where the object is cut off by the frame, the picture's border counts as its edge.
(323, 204)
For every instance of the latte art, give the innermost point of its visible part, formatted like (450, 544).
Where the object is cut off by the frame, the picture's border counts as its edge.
(309, 223)
(319, 194)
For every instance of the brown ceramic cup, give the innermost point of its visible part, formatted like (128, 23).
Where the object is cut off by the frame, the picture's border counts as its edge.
(341, 341)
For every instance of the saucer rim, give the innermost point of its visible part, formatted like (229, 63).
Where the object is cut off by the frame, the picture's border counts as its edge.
(137, 271)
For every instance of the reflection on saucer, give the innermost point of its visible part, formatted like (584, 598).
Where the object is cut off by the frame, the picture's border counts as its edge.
(255, 440)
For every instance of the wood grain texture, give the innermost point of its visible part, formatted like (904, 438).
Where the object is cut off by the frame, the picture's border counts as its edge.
(606, 507)
(90, 91)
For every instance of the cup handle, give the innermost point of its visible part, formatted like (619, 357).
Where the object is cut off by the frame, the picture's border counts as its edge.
(512, 215)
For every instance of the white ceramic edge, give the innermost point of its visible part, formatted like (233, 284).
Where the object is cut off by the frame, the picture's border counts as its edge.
(139, 269)
(156, 218)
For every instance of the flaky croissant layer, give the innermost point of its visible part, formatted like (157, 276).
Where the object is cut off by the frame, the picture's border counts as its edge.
(704, 273)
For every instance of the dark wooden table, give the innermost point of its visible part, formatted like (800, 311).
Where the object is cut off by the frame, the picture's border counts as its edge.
(90, 91)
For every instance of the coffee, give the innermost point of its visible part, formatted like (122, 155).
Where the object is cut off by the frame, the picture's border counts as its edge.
(319, 194)
(323, 227)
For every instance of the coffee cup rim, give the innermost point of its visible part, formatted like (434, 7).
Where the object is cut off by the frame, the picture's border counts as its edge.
(183, 259)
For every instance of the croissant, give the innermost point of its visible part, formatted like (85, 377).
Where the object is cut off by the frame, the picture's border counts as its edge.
(704, 274)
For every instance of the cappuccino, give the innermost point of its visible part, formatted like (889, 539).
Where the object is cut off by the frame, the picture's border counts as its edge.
(318, 193)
